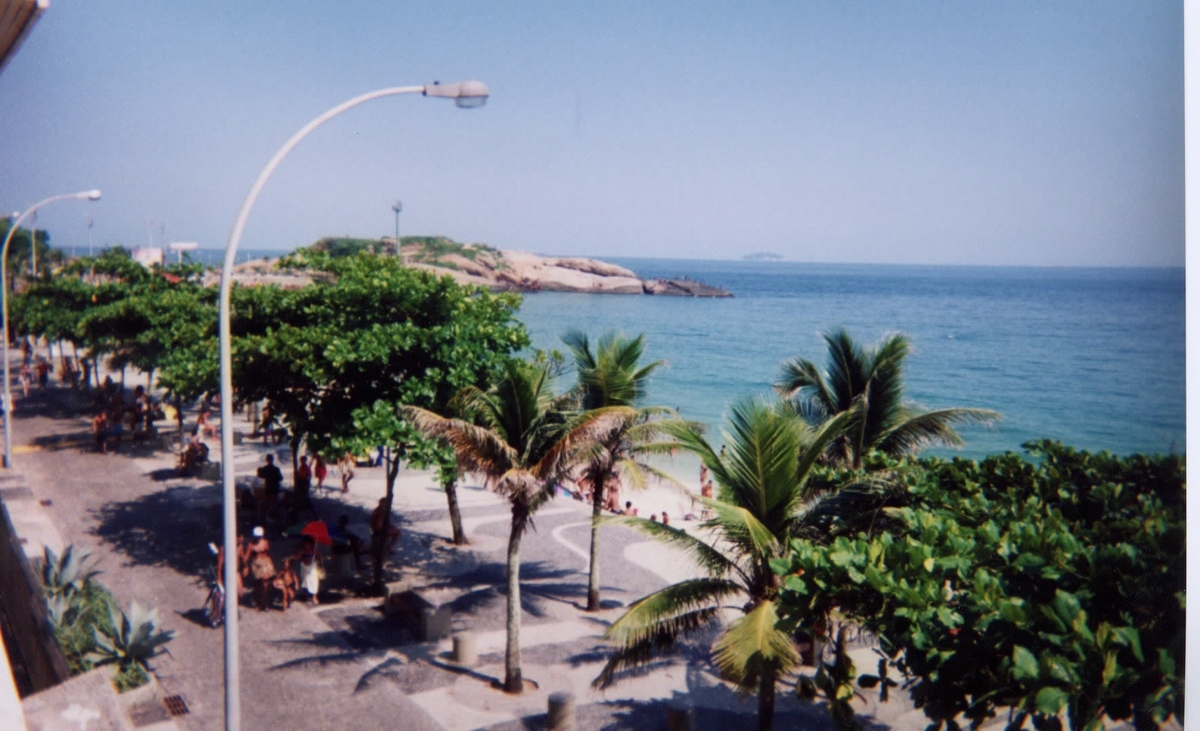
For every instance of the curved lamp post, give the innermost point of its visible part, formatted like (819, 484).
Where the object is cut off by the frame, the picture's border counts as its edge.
(466, 94)
(89, 195)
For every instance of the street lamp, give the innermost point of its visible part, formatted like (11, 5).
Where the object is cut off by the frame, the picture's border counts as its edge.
(397, 207)
(467, 95)
(90, 195)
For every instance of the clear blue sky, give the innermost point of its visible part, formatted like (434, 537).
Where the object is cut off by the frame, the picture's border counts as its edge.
(932, 132)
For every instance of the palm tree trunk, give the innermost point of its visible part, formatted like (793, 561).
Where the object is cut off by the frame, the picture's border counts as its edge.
(512, 649)
(766, 699)
(593, 595)
(456, 526)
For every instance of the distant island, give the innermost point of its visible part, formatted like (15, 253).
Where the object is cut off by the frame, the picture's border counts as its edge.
(763, 256)
(485, 266)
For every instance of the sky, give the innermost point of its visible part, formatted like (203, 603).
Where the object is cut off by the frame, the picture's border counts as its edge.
(1012, 133)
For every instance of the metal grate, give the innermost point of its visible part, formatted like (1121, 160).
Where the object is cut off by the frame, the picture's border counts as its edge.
(175, 705)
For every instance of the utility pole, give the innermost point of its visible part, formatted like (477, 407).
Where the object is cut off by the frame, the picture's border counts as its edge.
(397, 207)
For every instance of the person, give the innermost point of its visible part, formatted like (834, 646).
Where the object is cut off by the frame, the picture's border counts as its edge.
(116, 420)
(346, 470)
(268, 420)
(379, 455)
(272, 479)
(654, 517)
(87, 373)
(302, 488)
(261, 568)
(204, 427)
(100, 429)
(308, 558)
(320, 471)
(193, 455)
(344, 540)
(242, 553)
(287, 584)
(43, 372)
(629, 509)
(703, 474)
(383, 534)
(666, 520)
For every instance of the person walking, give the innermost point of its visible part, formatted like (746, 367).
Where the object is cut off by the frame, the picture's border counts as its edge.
(346, 470)
(308, 557)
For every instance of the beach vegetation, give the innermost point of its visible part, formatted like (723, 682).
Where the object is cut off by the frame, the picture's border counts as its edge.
(1049, 588)
(611, 382)
(90, 627)
(517, 435)
(871, 377)
(763, 496)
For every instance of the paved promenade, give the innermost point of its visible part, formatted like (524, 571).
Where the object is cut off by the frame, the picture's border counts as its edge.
(342, 664)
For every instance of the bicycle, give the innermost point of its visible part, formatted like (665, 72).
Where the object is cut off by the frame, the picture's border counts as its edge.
(214, 605)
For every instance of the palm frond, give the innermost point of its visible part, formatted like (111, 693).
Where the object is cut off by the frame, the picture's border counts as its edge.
(918, 430)
(741, 527)
(641, 653)
(714, 563)
(660, 613)
(750, 644)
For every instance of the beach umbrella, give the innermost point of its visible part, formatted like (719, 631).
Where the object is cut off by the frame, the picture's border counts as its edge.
(319, 531)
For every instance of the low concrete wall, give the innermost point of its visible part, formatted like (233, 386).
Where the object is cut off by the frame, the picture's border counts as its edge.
(36, 660)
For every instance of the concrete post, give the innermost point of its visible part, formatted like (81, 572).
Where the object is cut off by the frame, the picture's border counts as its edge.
(466, 652)
(560, 716)
(680, 716)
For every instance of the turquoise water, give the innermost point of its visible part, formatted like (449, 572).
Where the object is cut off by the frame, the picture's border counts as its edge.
(1093, 357)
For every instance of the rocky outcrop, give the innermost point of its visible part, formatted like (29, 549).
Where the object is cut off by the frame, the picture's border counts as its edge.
(504, 271)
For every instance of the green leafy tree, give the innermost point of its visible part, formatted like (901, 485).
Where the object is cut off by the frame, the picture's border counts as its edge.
(514, 433)
(1044, 587)
(613, 376)
(762, 499)
(873, 377)
(336, 358)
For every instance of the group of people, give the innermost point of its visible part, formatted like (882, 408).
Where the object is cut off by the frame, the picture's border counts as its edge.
(302, 571)
(113, 414)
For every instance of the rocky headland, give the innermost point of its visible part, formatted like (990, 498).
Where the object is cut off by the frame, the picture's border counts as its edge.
(482, 265)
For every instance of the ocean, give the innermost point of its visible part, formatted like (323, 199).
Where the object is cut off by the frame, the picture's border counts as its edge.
(1093, 357)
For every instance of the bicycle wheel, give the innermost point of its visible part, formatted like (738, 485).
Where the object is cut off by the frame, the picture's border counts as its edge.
(214, 607)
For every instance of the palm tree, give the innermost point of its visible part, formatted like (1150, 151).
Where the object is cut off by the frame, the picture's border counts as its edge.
(762, 500)
(612, 377)
(871, 376)
(517, 436)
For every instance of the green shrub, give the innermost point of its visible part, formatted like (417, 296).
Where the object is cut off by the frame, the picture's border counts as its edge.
(1051, 587)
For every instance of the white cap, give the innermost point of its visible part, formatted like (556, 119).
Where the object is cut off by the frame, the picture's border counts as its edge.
(257, 532)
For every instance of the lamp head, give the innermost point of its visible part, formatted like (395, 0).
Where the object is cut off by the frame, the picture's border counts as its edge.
(466, 94)
(91, 195)
(397, 207)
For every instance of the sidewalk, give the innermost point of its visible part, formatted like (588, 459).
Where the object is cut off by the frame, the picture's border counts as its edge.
(318, 666)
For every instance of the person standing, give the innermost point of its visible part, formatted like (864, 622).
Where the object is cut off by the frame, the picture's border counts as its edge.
(309, 560)
(261, 568)
(320, 471)
(272, 479)
(302, 490)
